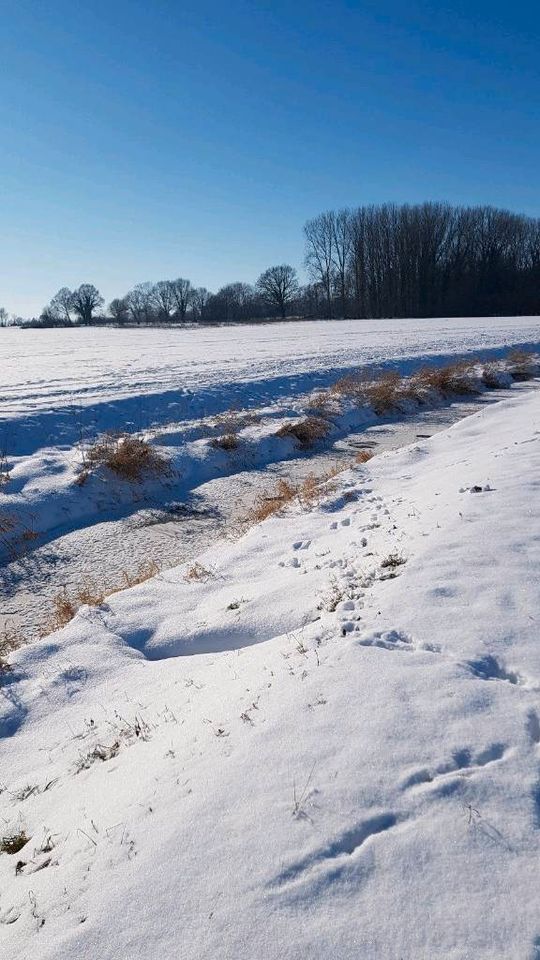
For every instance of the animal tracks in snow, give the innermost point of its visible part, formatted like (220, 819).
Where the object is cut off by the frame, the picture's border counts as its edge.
(396, 640)
(533, 727)
(489, 668)
(463, 761)
(338, 852)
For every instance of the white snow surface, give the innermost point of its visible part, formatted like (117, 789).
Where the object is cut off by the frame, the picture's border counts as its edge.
(60, 388)
(47, 374)
(308, 752)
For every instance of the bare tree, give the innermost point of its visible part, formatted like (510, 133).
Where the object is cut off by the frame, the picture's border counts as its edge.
(119, 310)
(86, 299)
(164, 297)
(183, 293)
(140, 302)
(279, 286)
(340, 224)
(319, 236)
(3, 317)
(200, 300)
(61, 306)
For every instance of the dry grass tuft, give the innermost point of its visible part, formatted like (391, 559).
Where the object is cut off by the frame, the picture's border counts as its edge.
(352, 385)
(198, 573)
(309, 492)
(324, 404)
(130, 458)
(385, 393)
(306, 432)
(228, 442)
(492, 376)
(269, 504)
(145, 572)
(9, 640)
(521, 364)
(234, 420)
(392, 561)
(66, 605)
(454, 378)
(363, 456)
(4, 468)
(14, 843)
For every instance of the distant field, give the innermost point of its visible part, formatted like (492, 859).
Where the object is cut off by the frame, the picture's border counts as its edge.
(50, 370)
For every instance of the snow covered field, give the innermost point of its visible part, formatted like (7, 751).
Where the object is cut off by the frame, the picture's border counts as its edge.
(325, 743)
(61, 388)
(48, 374)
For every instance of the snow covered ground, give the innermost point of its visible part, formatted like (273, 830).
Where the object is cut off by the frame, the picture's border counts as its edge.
(322, 741)
(54, 383)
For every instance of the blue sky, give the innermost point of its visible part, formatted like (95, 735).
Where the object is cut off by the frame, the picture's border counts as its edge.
(147, 139)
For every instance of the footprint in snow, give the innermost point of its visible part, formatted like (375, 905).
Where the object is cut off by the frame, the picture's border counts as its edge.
(533, 727)
(396, 640)
(338, 852)
(489, 668)
(461, 760)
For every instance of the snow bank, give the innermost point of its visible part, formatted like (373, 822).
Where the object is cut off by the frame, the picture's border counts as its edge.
(326, 744)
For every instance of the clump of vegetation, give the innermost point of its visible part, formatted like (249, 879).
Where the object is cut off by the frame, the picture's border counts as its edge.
(228, 442)
(10, 640)
(352, 385)
(130, 458)
(454, 378)
(307, 493)
(306, 432)
(99, 752)
(521, 364)
(392, 561)
(12, 844)
(324, 404)
(384, 393)
(492, 376)
(66, 605)
(234, 420)
(271, 503)
(4, 468)
(363, 456)
(198, 573)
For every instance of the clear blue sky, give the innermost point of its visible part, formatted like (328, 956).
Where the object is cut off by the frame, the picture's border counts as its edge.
(151, 139)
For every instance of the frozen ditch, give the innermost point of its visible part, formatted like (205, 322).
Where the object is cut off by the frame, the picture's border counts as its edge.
(173, 531)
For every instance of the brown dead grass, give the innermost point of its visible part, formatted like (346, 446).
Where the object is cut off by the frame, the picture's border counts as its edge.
(492, 376)
(5, 475)
(454, 378)
(363, 456)
(197, 573)
(521, 364)
(228, 442)
(66, 604)
(352, 385)
(10, 640)
(308, 493)
(13, 843)
(385, 393)
(130, 458)
(231, 421)
(324, 404)
(306, 432)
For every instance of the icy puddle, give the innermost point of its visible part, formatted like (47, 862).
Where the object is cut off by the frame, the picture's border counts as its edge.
(172, 533)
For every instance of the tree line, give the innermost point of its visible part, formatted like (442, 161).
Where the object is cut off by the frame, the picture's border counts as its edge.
(386, 260)
(175, 301)
(426, 260)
